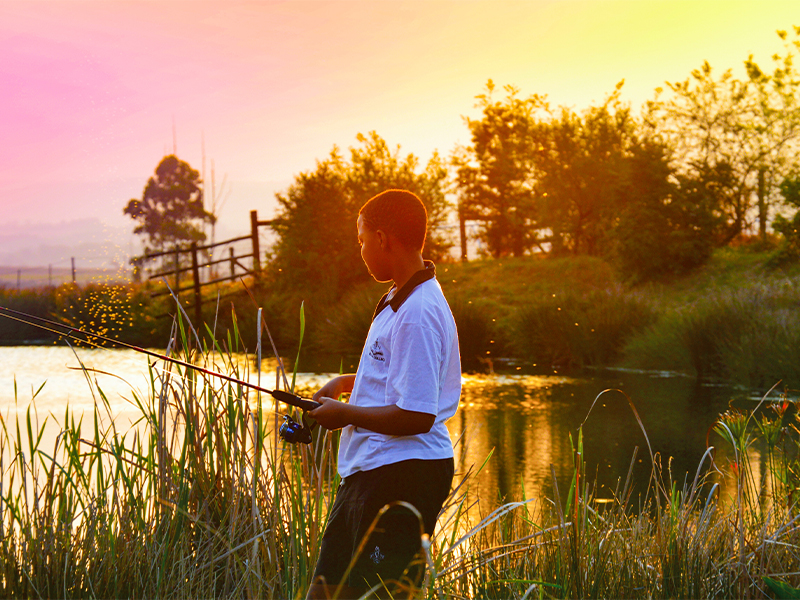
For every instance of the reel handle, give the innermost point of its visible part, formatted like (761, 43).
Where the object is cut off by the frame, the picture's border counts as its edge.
(293, 400)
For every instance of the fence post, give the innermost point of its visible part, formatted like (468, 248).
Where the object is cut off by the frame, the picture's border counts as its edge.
(19, 278)
(73, 269)
(50, 275)
(233, 263)
(198, 310)
(177, 271)
(462, 231)
(254, 235)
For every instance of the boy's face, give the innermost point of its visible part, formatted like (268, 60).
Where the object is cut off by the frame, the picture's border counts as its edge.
(374, 252)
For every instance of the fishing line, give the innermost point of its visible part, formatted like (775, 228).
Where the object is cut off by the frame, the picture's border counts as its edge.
(280, 395)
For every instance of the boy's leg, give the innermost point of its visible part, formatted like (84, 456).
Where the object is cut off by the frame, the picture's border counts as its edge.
(395, 541)
(337, 544)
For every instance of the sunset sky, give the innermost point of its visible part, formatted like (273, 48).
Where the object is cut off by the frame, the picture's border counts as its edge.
(90, 90)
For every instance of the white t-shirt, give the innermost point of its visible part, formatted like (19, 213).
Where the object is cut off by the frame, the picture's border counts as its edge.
(410, 359)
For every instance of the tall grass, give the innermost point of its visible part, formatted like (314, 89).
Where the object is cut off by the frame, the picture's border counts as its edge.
(690, 539)
(569, 329)
(192, 502)
(198, 500)
(749, 336)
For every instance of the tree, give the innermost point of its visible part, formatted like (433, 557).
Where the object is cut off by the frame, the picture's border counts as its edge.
(789, 228)
(171, 208)
(581, 166)
(666, 222)
(747, 129)
(316, 250)
(496, 179)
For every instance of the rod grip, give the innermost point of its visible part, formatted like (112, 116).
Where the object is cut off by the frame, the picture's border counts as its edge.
(293, 400)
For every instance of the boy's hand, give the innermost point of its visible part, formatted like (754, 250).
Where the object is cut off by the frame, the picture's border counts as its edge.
(332, 414)
(343, 384)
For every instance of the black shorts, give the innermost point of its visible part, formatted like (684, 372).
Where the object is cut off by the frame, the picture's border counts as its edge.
(395, 540)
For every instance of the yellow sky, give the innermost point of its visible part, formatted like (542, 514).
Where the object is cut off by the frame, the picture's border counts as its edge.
(91, 88)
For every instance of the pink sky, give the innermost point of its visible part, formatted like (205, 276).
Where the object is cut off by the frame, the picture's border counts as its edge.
(90, 89)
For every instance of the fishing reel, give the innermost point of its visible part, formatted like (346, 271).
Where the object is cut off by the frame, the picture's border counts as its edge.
(293, 432)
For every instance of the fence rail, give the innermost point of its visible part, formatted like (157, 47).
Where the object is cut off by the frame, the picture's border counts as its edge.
(195, 253)
(70, 270)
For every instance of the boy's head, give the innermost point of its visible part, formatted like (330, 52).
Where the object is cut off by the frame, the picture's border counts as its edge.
(398, 213)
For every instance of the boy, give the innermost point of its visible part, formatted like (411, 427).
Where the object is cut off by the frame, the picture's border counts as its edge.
(394, 444)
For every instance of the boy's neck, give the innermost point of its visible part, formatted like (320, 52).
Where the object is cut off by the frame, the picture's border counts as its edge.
(404, 266)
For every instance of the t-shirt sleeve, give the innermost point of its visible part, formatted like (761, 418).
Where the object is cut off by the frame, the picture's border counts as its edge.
(413, 378)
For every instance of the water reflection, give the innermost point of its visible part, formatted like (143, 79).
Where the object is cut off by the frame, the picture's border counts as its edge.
(526, 420)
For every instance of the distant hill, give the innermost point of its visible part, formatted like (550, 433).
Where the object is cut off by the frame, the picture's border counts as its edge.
(38, 253)
(38, 277)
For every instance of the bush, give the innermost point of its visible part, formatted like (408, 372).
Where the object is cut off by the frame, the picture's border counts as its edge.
(749, 336)
(571, 330)
(343, 330)
(39, 304)
(474, 332)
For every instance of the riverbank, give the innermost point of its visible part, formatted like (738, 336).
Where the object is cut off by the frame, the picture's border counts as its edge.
(196, 502)
(735, 319)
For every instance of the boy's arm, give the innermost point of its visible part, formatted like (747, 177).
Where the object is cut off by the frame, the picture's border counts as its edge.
(343, 384)
(388, 420)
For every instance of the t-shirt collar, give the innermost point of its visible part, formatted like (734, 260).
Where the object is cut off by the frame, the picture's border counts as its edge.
(396, 301)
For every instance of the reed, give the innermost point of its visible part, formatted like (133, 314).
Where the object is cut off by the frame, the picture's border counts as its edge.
(193, 501)
(197, 500)
(570, 329)
(748, 335)
(699, 538)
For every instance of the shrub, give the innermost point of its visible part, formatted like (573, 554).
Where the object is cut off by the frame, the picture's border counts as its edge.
(474, 331)
(39, 304)
(344, 328)
(749, 336)
(579, 330)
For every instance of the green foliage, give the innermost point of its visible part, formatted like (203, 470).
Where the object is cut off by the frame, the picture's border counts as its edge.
(666, 224)
(749, 128)
(781, 589)
(316, 256)
(344, 329)
(171, 208)
(569, 330)
(596, 183)
(39, 303)
(747, 335)
(496, 177)
(475, 332)
(582, 169)
(789, 252)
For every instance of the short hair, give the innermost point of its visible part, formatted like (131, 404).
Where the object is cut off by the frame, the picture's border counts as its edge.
(399, 213)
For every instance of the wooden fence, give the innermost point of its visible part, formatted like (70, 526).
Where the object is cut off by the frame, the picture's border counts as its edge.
(200, 259)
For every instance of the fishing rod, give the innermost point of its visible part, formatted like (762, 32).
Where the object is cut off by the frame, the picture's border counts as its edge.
(280, 395)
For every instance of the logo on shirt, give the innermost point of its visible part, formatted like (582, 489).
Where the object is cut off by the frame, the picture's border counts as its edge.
(376, 555)
(376, 352)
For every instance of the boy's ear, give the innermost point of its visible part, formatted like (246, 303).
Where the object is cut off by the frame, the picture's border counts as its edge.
(383, 239)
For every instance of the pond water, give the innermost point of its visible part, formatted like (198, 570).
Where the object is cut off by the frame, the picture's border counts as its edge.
(524, 419)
